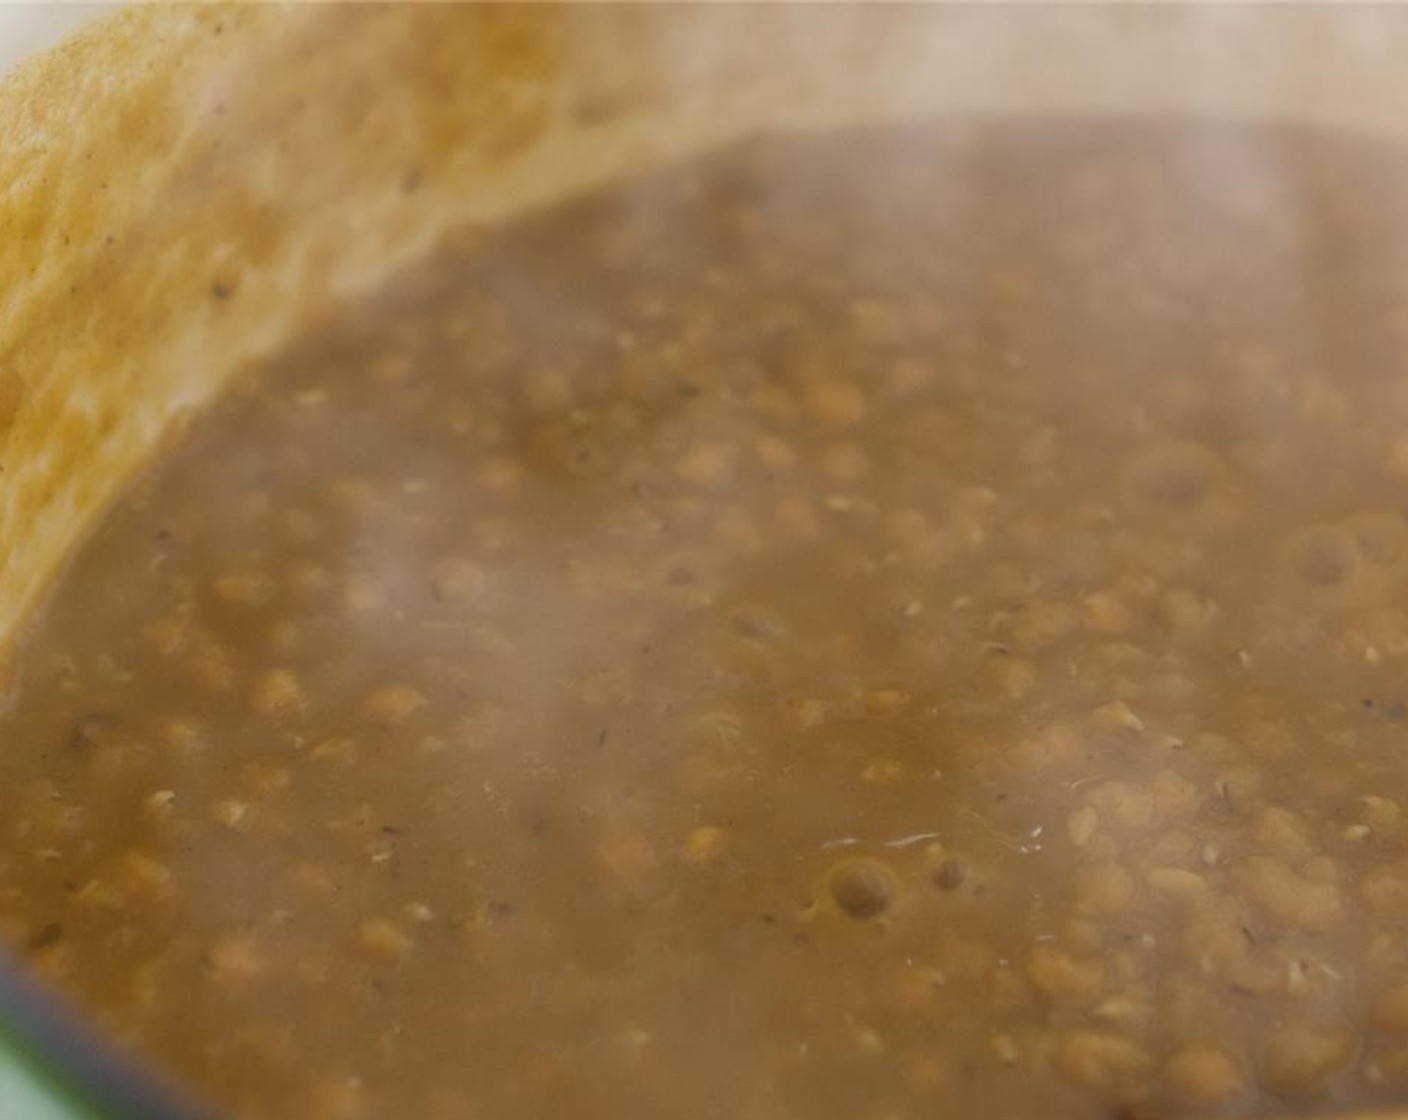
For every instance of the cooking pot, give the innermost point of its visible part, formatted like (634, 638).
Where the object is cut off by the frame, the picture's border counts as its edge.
(185, 188)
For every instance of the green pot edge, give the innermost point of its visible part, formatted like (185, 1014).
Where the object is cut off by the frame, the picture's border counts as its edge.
(32, 1088)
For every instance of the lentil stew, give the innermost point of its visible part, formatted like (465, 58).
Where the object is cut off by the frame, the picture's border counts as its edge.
(854, 626)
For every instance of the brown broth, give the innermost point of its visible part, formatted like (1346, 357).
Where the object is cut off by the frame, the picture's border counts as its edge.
(863, 626)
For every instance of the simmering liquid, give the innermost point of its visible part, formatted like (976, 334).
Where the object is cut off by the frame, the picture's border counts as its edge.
(875, 625)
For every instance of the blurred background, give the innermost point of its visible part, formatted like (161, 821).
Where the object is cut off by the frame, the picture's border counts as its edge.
(28, 27)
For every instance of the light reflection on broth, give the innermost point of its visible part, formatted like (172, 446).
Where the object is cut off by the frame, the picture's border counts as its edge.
(856, 626)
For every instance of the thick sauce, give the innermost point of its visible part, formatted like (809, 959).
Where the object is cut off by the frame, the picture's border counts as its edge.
(876, 626)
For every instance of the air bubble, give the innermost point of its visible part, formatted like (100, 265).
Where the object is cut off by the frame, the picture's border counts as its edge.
(1325, 557)
(863, 888)
(1177, 475)
(951, 875)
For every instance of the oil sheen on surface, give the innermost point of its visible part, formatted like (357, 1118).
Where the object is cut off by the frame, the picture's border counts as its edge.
(875, 626)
